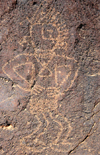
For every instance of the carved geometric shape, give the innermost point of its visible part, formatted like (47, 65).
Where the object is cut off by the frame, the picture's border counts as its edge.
(43, 56)
(39, 39)
(61, 72)
(45, 72)
(51, 133)
(25, 71)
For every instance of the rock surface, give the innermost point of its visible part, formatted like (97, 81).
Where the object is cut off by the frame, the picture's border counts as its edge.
(49, 77)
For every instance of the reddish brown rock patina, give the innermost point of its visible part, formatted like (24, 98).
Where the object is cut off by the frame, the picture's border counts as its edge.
(49, 77)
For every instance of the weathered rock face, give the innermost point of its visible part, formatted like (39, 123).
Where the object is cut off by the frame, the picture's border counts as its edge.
(49, 77)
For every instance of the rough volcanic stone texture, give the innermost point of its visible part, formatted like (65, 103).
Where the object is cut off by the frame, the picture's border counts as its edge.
(49, 77)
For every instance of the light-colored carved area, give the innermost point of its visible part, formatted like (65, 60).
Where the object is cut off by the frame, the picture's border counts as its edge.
(44, 32)
(49, 77)
(22, 70)
(54, 135)
(46, 75)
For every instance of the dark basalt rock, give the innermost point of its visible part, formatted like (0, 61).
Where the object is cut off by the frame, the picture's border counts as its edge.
(49, 77)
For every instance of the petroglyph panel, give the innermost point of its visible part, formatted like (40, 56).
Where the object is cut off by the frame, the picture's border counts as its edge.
(46, 75)
(23, 70)
(54, 135)
(45, 69)
(48, 79)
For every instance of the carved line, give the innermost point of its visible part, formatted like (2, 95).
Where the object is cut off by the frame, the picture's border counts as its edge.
(59, 134)
(72, 81)
(70, 128)
(44, 69)
(53, 90)
(45, 128)
(48, 125)
(34, 150)
(37, 90)
(37, 128)
(50, 13)
(36, 15)
(36, 140)
(9, 98)
(3, 68)
(67, 76)
(14, 68)
(50, 38)
(97, 74)
(24, 40)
